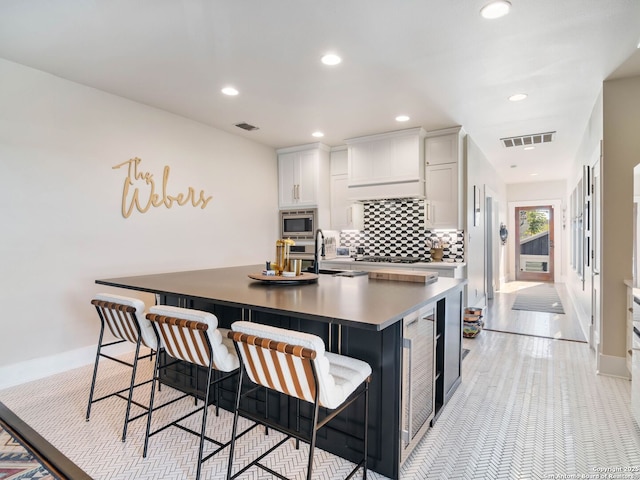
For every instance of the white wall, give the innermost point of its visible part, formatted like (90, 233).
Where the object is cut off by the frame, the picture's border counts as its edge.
(60, 206)
(588, 154)
(481, 174)
(615, 121)
(621, 147)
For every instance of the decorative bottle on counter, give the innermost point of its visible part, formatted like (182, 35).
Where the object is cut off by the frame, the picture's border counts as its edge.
(283, 249)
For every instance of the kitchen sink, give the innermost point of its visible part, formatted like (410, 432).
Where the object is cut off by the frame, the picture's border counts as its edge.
(352, 273)
(340, 273)
(343, 273)
(330, 271)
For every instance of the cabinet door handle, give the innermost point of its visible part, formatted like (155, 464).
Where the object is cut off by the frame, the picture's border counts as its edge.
(297, 192)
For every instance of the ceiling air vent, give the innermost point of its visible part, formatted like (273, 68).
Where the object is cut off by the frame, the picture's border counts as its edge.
(524, 140)
(246, 126)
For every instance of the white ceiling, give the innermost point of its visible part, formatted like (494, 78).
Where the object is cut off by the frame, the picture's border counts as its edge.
(437, 61)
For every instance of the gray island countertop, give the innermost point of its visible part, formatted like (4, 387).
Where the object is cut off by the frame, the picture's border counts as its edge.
(350, 301)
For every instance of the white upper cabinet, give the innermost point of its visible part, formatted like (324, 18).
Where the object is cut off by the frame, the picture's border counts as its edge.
(441, 149)
(441, 206)
(339, 161)
(302, 175)
(386, 165)
(345, 214)
(444, 179)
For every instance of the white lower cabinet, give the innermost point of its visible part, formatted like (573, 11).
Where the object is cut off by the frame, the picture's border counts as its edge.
(338, 265)
(451, 270)
(635, 379)
(633, 350)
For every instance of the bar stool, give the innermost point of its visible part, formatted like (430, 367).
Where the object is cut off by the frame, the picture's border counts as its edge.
(296, 364)
(124, 318)
(192, 336)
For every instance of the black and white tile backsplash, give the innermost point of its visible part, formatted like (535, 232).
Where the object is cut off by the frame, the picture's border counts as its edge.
(396, 227)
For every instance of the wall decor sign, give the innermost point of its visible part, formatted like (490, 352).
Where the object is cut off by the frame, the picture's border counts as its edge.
(140, 191)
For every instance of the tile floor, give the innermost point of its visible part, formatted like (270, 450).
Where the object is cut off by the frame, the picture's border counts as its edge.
(528, 408)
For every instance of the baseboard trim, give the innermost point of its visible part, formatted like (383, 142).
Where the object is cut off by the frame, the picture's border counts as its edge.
(37, 368)
(612, 366)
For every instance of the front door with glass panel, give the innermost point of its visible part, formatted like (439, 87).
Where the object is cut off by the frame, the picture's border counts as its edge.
(534, 247)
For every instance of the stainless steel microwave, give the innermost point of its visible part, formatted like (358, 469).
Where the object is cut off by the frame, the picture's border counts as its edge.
(298, 224)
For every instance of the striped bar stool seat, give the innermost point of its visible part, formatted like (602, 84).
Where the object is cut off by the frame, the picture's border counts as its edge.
(192, 336)
(124, 318)
(296, 364)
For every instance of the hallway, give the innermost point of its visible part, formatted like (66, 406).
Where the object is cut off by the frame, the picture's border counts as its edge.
(527, 408)
(500, 317)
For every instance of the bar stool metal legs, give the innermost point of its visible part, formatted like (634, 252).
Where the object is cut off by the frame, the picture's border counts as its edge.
(122, 317)
(296, 370)
(191, 336)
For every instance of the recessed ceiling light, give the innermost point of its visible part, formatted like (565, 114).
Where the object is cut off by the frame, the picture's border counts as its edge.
(533, 174)
(317, 134)
(331, 59)
(402, 118)
(496, 9)
(518, 97)
(230, 91)
(529, 148)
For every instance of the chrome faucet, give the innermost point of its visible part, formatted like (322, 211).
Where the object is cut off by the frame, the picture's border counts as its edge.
(316, 266)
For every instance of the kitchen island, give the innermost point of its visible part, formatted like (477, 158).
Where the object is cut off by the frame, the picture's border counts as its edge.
(409, 333)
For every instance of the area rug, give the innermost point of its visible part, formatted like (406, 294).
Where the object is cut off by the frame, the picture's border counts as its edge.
(18, 462)
(539, 298)
(25, 455)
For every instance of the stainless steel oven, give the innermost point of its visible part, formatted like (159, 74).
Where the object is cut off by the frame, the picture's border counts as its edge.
(298, 224)
(301, 250)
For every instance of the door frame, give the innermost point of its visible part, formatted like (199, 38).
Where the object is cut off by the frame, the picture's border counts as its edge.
(549, 275)
(559, 243)
(492, 242)
(595, 324)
